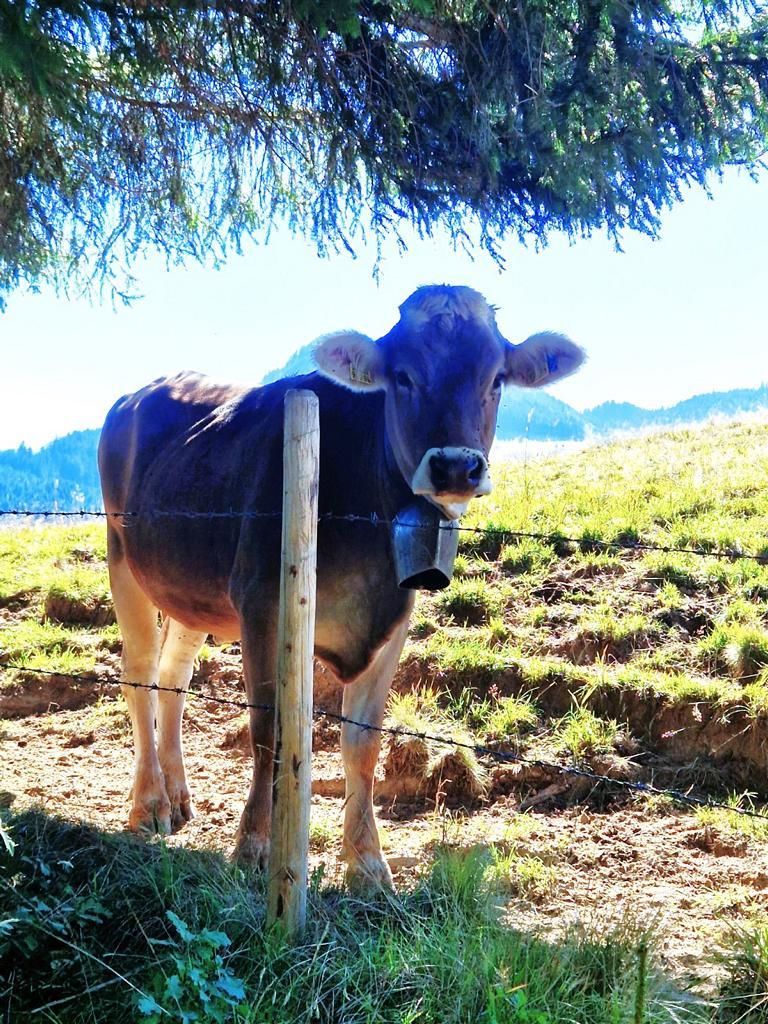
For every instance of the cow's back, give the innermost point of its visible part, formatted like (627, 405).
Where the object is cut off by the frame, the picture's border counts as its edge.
(140, 426)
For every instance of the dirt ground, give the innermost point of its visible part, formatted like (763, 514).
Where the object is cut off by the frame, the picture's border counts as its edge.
(659, 866)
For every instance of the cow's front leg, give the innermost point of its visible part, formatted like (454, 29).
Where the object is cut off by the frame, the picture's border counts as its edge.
(365, 701)
(259, 666)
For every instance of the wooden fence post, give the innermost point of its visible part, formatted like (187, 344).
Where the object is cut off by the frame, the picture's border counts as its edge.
(289, 854)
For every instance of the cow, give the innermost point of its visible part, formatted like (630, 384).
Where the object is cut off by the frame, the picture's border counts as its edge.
(413, 413)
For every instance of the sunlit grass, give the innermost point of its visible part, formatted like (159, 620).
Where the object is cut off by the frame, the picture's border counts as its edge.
(581, 733)
(731, 821)
(48, 645)
(424, 712)
(469, 602)
(32, 559)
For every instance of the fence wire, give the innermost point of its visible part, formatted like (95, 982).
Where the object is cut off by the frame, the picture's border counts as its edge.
(733, 553)
(480, 750)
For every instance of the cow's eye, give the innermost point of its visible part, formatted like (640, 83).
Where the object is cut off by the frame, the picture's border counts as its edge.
(498, 380)
(403, 380)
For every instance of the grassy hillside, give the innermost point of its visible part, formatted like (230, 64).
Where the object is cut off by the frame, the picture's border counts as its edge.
(668, 622)
(641, 665)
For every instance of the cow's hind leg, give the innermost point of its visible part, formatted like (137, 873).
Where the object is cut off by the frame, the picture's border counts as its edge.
(365, 701)
(259, 666)
(137, 619)
(180, 648)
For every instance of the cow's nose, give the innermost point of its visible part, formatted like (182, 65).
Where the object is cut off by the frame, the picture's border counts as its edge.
(439, 471)
(458, 473)
(476, 469)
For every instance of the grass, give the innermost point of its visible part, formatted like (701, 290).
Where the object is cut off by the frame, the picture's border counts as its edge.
(581, 733)
(495, 717)
(733, 823)
(101, 928)
(52, 580)
(468, 602)
(49, 645)
(744, 993)
(186, 929)
(31, 559)
(740, 649)
(526, 877)
(603, 626)
(526, 556)
(421, 711)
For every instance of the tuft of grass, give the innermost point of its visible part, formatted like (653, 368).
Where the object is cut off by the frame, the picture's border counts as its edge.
(740, 649)
(603, 625)
(581, 733)
(468, 602)
(48, 645)
(526, 555)
(110, 715)
(537, 615)
(685, 571)
(510, 717)
(321, 835)
(747, 612)
(743, 994)
(463, 565)
(423, 625)
(755, 695)
(497, 632)
(467, 655)
(731, 822)
(524, 876)
(669, 597)
(421, 711)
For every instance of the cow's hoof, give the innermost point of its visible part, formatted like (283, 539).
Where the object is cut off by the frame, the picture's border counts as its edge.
(251, 851)
(368, 871)
(151, 819)
(180, 800)
(181, 813)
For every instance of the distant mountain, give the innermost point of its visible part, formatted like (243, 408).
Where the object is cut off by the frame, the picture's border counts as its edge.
(612, 416)
(63, 475)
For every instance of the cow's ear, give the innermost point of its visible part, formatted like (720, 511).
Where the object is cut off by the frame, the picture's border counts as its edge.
(542, 359)
(351, 359)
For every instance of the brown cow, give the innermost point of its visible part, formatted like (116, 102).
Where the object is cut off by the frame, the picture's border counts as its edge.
(411, 413)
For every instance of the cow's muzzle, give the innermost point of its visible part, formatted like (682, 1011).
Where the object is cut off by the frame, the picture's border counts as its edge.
(451, 477)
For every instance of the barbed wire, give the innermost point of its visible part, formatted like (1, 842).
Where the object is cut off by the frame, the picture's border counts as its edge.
(733, 553)
(481, 750)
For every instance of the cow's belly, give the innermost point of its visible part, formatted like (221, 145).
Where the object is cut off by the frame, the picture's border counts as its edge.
(186, 586)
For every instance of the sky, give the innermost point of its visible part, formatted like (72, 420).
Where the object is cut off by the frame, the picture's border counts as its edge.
(661, 320)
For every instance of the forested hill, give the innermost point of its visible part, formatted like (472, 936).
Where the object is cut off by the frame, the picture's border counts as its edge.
(63, 474)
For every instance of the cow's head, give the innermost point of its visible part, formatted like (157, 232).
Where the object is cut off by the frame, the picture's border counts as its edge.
(442, 367)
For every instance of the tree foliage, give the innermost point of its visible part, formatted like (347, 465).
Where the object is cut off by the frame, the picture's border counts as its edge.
(185, 125)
